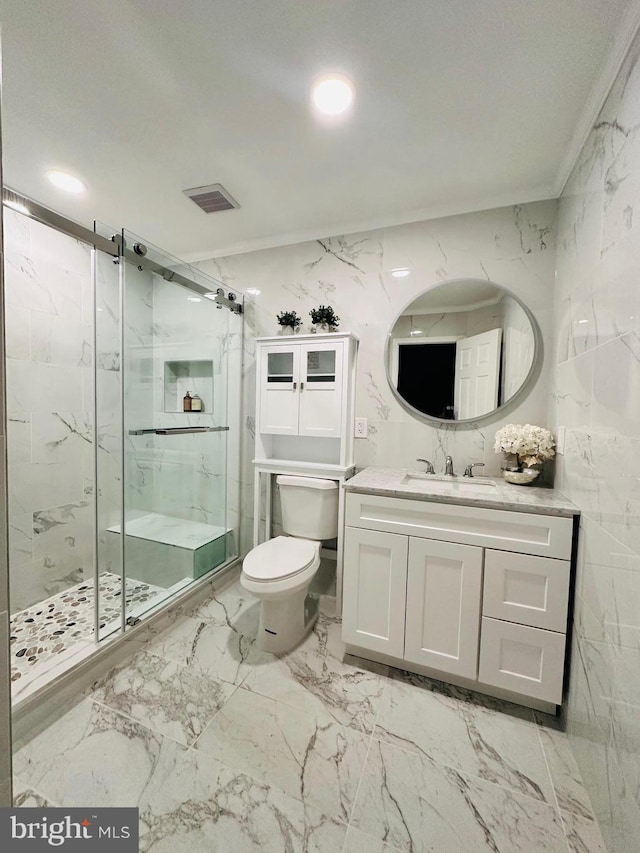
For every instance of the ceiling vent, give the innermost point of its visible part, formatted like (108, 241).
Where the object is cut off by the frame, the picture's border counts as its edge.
(212, 199)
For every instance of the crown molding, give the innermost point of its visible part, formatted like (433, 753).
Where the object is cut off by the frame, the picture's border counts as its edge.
(600, 90)
(340, 229)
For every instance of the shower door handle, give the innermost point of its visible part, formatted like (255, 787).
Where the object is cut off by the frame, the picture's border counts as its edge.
(177, 430)
(184, 430)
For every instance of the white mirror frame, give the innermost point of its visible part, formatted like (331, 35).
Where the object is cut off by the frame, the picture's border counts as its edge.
(391, 362)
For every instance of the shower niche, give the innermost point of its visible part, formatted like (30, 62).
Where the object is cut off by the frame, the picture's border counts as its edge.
(196, 377)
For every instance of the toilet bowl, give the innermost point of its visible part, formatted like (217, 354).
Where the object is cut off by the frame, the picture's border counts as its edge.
(280, 570)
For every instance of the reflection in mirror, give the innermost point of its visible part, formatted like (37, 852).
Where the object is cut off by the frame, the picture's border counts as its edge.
(461, 350)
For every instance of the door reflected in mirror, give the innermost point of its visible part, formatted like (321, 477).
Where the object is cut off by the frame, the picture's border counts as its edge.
(461, 350)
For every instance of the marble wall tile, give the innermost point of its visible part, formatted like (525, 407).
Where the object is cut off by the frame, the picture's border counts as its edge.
(514, 247)
(4, 519)
(598, 263)
(49, 395)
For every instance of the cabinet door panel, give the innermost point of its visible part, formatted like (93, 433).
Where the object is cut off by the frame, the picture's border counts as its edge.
(528, 590)
(526, 660)
(374, 590)
(444, 588)
(321, 382)
(280, 390)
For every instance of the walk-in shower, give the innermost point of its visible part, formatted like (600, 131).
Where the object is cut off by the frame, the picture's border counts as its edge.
(123, 394)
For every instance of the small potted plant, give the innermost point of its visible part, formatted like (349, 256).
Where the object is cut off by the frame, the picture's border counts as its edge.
(324, 318)
(524, 446)
(289, 321)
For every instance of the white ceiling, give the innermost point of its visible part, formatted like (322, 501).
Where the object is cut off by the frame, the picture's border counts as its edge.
(461, 105)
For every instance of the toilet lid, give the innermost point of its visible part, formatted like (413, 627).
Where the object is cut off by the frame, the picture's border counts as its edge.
(279, 558)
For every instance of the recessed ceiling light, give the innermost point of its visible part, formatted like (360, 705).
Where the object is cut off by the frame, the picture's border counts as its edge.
(253, 291)
(332, 94)
(65, 181)
(194, 299)
(16, 205)
(401, 272)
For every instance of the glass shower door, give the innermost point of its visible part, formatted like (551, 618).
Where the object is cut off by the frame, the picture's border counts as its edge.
(174, 353)
(175, 368)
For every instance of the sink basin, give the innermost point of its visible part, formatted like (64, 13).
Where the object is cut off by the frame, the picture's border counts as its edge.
(434, 484)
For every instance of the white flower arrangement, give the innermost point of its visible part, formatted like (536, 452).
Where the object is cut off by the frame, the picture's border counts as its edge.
(531, 445)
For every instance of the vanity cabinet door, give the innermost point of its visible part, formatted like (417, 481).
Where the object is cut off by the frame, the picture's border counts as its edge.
(444, 589)
(374, 590)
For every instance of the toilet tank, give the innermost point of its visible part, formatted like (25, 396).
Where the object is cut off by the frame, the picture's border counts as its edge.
(309, 507)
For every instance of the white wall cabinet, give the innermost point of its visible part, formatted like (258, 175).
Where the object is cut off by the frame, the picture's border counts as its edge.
(300, 386)
(305, 408)
(487, 615)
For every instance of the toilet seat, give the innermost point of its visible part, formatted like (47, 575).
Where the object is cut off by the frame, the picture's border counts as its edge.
(280, 558)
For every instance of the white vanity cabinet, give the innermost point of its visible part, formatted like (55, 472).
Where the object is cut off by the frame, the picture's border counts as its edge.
(466, 594)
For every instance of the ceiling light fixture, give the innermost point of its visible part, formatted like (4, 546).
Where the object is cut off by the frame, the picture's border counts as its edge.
(65, 181)
(401, 272)
(253, 291)
(332, 94)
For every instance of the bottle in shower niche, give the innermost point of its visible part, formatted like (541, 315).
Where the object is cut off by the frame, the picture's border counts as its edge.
(187, 400)
(196, 403)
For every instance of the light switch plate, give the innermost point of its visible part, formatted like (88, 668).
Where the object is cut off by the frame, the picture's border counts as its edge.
(560, 439)
(361, 428)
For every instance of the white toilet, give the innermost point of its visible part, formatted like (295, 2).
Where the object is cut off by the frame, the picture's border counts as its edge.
(280, 570)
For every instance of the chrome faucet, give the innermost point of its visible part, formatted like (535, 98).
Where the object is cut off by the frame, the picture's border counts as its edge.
(468, 471)
(448, 467)
(430, 469)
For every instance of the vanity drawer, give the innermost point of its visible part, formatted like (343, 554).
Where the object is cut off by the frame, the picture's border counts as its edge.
(529, 661)
(528, 590)
(526, 533)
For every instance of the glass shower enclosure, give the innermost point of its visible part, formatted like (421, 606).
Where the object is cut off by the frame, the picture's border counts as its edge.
(167, 373)
(118, 498)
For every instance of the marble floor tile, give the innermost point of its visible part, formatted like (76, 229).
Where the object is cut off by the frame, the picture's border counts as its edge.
(26, 797)
(358, 842)
(408, 801)
(93, 756)
(478, 735)
(313, 677)
(198, 805)
(164, 695)
(583, 834)
(307, 756)
(233, 608)
(209, 648)
(565, 776)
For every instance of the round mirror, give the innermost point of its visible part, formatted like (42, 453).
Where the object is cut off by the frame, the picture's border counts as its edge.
(461, 351)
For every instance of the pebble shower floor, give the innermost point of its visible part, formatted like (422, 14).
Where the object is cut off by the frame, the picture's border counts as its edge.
(54, 626)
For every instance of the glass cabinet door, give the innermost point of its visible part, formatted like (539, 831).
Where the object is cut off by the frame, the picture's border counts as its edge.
(279, 389)
(320, 412)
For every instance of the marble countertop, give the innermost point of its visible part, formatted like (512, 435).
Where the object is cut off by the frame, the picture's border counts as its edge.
(388, 481)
